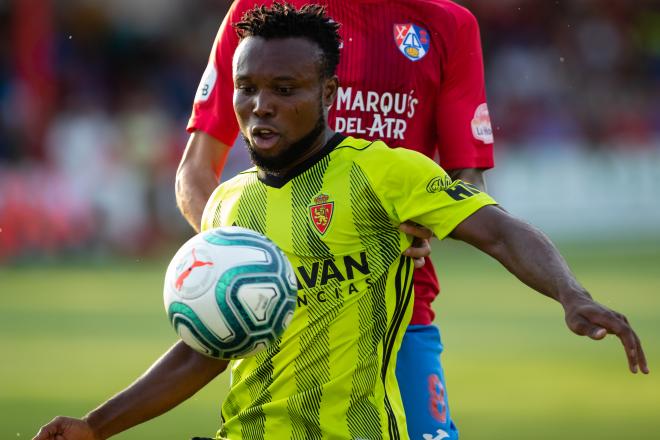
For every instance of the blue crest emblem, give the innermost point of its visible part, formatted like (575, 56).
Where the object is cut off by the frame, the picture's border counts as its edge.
(412, 40)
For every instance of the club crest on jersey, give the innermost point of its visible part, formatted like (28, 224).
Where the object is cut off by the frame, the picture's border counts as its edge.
(321, 212)
(412, 40)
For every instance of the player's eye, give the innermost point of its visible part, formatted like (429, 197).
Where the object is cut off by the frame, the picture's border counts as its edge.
(247, 89)
(284, 90)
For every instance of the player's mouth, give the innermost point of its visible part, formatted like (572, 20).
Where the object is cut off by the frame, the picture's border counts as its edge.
(264, 138)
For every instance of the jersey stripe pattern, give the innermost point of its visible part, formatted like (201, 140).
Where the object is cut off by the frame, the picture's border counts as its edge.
(332, 373)
(312, 363)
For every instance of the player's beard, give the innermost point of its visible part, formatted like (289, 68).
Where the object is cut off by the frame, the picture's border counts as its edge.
(276, 164)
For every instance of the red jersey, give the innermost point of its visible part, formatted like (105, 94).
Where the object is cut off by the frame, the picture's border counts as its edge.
(411, 74)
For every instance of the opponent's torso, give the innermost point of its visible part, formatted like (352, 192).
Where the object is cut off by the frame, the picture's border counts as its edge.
(390, 72)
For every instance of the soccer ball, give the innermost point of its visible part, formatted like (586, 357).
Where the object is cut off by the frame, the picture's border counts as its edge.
(229, 292)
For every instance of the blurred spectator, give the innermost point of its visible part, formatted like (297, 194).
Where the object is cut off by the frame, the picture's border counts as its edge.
(572, 72)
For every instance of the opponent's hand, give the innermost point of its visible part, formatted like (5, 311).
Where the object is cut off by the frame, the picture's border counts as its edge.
(66, 428)
(421, 246)
(586, 317)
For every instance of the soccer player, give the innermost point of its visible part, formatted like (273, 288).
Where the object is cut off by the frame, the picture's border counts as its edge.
(411, 75)
(333, 204)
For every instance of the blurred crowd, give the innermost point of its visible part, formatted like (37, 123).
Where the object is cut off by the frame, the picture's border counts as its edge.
(113, 83)
(572, 73)
(95, 96)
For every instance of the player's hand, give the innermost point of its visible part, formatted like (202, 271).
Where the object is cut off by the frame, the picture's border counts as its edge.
(586, 317)
(421, 246)
(66, 428)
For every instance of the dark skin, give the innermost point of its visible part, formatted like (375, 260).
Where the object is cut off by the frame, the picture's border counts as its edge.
(260, 101)
(270, 92)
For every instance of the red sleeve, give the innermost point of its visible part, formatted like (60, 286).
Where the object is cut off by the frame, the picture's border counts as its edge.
(213, 111)
(465, 136)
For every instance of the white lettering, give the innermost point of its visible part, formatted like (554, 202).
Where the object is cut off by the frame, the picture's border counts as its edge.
(413, 103)
(376, 127)
(344, 97)
(372, 101)
(400, 129)
(400, 101)
(386, 103)
(359, 129)
(350, 125)
(390, 122)
(380, 106)
(358, 102)
(340, 124)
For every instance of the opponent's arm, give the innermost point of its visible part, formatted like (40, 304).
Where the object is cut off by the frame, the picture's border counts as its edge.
(475, 176)
(198, 175)
(530, 255)
(175, 377)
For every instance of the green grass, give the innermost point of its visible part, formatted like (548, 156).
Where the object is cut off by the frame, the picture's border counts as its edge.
(72, 335)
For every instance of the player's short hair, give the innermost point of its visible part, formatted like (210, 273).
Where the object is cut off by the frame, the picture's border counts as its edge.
(283, 20)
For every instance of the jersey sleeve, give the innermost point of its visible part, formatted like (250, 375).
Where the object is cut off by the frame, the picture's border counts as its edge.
(413, 187)
(213, 110)
(465, 135)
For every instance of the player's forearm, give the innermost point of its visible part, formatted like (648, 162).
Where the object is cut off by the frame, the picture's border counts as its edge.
(175, 377)
(525, 251)
(533, 258)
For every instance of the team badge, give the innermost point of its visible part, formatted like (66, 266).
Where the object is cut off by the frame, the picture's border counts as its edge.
(412, 40)
(321, 212)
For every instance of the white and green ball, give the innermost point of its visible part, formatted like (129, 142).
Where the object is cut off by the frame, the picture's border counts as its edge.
(229, 292)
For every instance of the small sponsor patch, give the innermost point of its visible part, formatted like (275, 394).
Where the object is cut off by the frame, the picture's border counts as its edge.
(321, 212)
(481, 128)
(438, 184)
(207, 83)
(412, 40)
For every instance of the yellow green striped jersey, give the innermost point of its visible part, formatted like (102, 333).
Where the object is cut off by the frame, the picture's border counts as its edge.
(332, 373)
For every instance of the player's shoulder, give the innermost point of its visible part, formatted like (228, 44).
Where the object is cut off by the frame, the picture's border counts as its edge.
(356, 149)
(445, 14)
(377, 155)
(238, 181)
(243, 176)
(227, 190)
(444, 7)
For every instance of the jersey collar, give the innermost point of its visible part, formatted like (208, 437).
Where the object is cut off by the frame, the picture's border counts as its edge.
(280, 181)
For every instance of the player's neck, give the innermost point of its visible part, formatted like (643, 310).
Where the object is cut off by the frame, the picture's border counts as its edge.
(315, 148)
(326, 142)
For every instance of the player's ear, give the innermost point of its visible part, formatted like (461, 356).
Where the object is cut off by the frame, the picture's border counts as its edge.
(330, 87)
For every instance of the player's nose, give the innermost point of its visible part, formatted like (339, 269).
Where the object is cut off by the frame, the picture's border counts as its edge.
(262, 104)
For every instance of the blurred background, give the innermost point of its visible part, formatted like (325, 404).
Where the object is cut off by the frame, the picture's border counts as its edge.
(94, 100)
